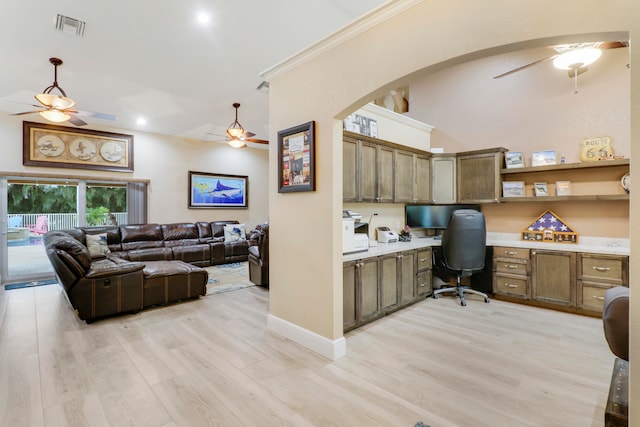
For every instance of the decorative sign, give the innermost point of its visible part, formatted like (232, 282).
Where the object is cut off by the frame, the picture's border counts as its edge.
(595, 149)
(550, 228)
(361, 124)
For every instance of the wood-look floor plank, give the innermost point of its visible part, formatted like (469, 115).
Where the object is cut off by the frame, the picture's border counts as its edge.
(213, 361)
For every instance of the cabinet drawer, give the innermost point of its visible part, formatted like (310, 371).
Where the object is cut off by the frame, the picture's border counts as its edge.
(423, 284)
(424, 259)
(511, 266)
(511, 285)
(591, 296)
(506, 252)
(599, 268)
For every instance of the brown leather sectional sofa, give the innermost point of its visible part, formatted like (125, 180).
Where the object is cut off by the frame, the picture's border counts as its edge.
(147, 264)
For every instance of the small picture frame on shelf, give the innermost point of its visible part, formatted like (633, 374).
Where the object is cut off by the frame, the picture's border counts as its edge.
(563, 188)
(512, 188)
(513, 159)
(543, 158)
(540, 189)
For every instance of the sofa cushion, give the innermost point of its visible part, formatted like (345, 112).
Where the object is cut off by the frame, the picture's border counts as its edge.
(180, 234)
(217, 227)
(74, 248)
(141, 236)
(97, 245)
(234, 232)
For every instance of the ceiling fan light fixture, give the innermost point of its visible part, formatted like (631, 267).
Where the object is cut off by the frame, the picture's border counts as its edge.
(577, 58)
(235, 129)
(237, 143)
(55, 116)
(55, 101)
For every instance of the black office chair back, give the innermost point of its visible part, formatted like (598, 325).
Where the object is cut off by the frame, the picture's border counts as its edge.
(464, 242)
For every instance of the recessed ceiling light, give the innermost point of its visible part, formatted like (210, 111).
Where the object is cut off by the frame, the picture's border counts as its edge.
(141, 121)
(203, 18)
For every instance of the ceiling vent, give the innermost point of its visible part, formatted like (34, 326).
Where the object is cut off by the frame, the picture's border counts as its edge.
(70, 26)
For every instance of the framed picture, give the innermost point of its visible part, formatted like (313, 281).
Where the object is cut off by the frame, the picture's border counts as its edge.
(512, 188)
(540, 189)
(513, 159)
(543, 158)
(563, 188)
(64, 147)
(296, 159)
(209, 190)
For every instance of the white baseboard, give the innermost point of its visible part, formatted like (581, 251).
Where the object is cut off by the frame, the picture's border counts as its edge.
(331, 349)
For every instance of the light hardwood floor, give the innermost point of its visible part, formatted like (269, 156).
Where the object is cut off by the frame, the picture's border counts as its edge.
(213, 362)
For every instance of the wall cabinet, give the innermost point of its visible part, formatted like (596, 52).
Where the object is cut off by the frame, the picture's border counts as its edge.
(377, 171)
(478, 175)
(599, 180)
(443, 178)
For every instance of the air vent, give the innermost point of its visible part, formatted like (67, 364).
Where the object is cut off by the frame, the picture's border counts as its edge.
(70, 26)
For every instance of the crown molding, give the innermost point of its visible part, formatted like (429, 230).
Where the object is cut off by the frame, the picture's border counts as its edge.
(351, 30)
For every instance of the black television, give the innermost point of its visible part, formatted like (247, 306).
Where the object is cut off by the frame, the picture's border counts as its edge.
(434, 217)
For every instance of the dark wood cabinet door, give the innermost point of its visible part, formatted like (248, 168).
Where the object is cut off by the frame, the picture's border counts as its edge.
(349, 170)
(385, 174)
(553, 277)
(389, 282)
(422, 184)
(404, 177)
(368, 187)
(407, 277)
(349, 295)
(369, 302)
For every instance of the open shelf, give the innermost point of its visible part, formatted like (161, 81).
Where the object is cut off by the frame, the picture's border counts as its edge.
(567, 166)
(581, 198)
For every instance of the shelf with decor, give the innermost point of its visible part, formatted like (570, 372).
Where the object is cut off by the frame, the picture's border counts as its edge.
(587, 181)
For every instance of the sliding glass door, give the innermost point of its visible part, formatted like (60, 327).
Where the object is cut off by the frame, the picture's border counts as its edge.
(31, 207)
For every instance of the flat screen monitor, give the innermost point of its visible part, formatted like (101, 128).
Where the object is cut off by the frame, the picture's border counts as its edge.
(432, 216)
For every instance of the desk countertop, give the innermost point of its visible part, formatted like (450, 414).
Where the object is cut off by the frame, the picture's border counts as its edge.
(600, 245)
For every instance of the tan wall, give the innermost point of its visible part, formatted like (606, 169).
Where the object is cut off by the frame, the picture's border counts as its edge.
(165, 161)
(306, 282)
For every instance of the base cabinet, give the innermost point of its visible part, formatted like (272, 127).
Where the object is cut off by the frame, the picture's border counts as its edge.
(569, 281)
(553, 277)
(373, 287)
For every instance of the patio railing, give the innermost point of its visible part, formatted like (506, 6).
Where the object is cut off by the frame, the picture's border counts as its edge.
(58, 221)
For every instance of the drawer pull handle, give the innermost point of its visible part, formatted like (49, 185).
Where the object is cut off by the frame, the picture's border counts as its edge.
(423, 284)
(509, 285)
(511, 252)
(511, 266)
(423, 259)
(595, 267)
(599, 298)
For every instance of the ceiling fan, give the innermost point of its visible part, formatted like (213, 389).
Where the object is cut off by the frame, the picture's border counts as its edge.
(236, 136)
(572, 57)
(59, 108)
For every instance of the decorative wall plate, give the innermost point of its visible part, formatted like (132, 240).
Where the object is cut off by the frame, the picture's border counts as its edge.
(111, 151)
(82, 148)
(50, 146)
(625, 181)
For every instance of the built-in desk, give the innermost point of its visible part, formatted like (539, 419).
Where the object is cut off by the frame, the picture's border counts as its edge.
(569, 277)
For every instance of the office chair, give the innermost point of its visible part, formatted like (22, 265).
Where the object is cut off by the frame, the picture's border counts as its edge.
(463, 250)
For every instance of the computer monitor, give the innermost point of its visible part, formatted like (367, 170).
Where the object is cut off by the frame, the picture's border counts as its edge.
(432, 216)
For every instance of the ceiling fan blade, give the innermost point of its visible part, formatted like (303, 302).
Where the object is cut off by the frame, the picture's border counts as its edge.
(257, 141)
(524, 67)
(102, 116)
(248, 134)
(26, 112)
(20, 102)
(75, 120)
(612, 45)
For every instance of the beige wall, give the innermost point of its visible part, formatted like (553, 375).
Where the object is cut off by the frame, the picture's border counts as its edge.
(306, 283)
(165, 161)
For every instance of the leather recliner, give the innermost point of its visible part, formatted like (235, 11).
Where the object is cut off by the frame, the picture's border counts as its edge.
(259, 256)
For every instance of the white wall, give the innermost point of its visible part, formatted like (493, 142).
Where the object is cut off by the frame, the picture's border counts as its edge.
(165, 162)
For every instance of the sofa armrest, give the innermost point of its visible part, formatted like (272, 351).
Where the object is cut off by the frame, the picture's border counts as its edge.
(112, 267)
(615, 319)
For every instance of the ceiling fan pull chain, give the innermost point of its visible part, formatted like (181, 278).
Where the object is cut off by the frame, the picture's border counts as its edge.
(575, 81)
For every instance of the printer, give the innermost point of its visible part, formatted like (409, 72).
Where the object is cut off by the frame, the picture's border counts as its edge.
(385, 235)
(352, 241)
